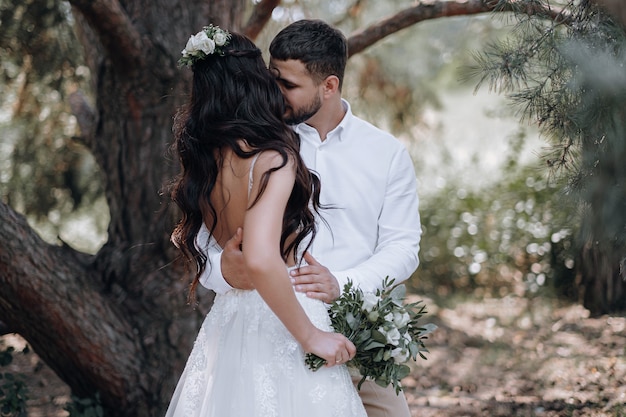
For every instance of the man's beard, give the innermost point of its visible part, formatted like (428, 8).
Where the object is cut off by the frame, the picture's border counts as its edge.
(304, 113)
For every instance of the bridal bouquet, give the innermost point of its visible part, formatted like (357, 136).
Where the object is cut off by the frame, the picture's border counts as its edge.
(384, 330)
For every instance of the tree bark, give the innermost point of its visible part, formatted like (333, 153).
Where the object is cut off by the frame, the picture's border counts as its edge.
(426, 10)
(61, 301)
(615, 8)
(117, 323)
(602, 283)
(259, 18)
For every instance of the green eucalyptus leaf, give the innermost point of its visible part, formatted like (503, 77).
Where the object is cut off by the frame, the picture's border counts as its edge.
(373, 344)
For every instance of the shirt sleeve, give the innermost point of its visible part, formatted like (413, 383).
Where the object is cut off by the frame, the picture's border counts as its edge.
(399, 232)
(211, 277)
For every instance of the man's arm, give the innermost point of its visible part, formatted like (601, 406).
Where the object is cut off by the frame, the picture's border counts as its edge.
(399, 232)
(230, 273)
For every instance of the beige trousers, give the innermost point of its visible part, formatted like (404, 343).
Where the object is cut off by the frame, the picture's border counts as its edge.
(382, 402)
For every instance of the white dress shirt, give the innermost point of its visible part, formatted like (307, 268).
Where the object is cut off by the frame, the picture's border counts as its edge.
(372, 228)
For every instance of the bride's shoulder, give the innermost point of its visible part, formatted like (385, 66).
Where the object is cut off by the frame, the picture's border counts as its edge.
(271, 159)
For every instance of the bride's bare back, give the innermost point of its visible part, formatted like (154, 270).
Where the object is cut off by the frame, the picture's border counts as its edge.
(230, 195)
(236, 187)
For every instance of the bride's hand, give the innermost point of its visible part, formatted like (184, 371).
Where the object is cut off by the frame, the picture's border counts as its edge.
(335, 348)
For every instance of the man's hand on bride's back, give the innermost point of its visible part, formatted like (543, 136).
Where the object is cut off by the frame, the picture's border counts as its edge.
(232, 264)
(315, 280)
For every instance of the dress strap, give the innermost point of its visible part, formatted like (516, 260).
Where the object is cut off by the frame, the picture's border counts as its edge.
(250, 179)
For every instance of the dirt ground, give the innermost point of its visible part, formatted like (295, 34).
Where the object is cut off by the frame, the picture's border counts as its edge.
(499, 357)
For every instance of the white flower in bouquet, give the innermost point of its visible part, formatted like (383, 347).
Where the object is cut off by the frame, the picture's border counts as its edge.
(400, 355)
(384, 330)
(392, 335)
(373, 316)
(401, 319)
(370, 300)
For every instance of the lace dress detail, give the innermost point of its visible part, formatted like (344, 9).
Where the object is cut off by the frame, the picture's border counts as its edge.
(245, 363)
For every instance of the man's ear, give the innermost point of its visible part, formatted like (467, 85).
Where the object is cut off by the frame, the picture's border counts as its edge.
(331, 85)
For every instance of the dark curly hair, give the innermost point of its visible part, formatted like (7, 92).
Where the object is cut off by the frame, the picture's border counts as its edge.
(234, 97)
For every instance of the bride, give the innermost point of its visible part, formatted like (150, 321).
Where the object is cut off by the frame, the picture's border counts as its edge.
(241, 168)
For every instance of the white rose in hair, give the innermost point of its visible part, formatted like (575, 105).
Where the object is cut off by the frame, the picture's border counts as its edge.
(220, 38)
(204, 43)
(199, 42)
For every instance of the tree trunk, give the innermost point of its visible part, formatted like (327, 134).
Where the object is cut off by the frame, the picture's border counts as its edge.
(603, 224)
(602, 281)
(118, 323)
(615, 8)
(603, 228)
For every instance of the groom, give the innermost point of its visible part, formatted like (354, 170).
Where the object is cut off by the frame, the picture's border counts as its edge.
(373, 228)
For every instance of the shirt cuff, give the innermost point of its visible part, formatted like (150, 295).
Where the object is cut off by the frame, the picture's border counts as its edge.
(218, 284)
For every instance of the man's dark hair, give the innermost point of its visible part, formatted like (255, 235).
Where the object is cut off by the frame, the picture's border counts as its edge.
(321, 48)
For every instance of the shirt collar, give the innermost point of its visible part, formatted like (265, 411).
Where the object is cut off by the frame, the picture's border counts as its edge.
(338, 131)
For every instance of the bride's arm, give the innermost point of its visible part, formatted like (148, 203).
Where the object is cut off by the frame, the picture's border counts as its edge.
(266, 268)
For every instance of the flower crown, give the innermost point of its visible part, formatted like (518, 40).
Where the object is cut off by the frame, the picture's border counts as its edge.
(210, 40)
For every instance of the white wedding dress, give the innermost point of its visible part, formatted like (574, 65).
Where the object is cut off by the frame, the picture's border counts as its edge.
(245, 363)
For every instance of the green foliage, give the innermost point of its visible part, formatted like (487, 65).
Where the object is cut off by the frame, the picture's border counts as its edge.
(13, 389)
(44, 171)
(6, 356)
(85, 407)
(619, 410)
(14, 393)
(514, 237)
(566, 74)
(384, 329)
